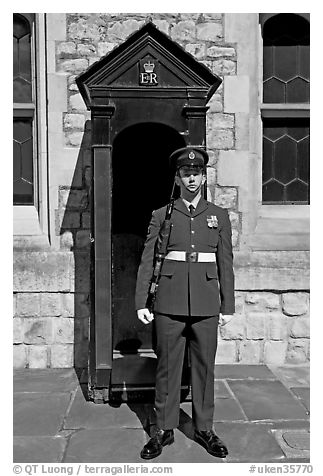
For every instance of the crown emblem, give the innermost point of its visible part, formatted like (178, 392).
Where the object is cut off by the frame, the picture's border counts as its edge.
(191, 155)
(149, 67)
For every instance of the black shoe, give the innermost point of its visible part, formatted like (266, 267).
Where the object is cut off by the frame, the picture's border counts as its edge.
(154, 447)
(211, 443)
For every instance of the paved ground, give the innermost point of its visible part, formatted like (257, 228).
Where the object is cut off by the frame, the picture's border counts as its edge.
(261, 413)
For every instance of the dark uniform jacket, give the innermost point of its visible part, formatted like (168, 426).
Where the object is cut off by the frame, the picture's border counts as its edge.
(190, 288)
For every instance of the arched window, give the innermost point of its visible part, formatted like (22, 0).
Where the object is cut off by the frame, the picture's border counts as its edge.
(285, 108)
(23, 110)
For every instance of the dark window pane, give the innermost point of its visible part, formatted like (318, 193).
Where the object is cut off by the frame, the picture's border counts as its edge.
(22, 90)
(267, 170)
(274, 91)
(297, 189)
(303, 159)
(21, 26)
(304, 61)
(285, 160)
(290, 156)
(273, 192)
(285, 62)
(298, 90)
(23, 187)
(286, 46)
(268, 62)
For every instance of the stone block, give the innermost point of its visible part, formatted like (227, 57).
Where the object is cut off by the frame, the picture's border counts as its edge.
(235, 329)
(61, 356)
(183, 31)
(50, 304)
(83, 29)
(300, 327)
(72, 86)
(209, 31)
(88, 176)
(70, 198)
(74, 121)
(42, 271)
(82, 239)
(215, 104)
(28, 304)
(225, 197)
(67, 304)
(196, 49)
(295, 304)
(86, 220)
(66, 240)
(75, 65)
(18, 332)
(212, 16)
(229, 67)
(236, 94)
(297, 351)
(235, 238)
(104, 47)
(14, 304)
(234, 168)
(65, 49)
(121, 30)
(277, 326)
(63, 330)
(264, 300)
(82, 277)
(220, 121)
(255, 325)
(74, 139)
(85, 49)
(242, 131)
(275, 352)
(234, 219)
(226, 352)
(19, 356)
(38, 331)
(76, 103)
(221, 51)
(162, 25)
(37, 356)
(239, 302)
(211, 177)
(250, 352)
(56, 26)
(66, 219)
(220, 138)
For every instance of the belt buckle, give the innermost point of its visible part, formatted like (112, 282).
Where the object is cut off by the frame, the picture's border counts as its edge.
(192, 257)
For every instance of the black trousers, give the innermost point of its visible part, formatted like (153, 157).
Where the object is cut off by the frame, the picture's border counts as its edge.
(171, 335)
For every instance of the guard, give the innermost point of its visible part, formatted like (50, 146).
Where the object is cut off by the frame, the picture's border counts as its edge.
(195, 293)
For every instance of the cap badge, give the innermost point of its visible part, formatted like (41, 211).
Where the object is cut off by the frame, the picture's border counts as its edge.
(191, 155)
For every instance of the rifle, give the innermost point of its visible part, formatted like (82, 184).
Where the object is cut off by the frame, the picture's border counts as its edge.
(160, 253)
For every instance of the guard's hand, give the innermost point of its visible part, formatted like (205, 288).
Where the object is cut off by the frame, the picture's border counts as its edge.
(224, 319)
(145, 316)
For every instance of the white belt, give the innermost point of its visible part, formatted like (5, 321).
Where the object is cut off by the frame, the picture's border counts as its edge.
(193, 257)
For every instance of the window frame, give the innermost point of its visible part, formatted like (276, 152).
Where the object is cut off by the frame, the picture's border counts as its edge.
(32, 220)
(280, 110)
(279, 227)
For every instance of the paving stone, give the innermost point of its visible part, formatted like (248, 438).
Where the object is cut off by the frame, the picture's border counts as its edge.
(240, 371)
(294, 443)
(39, 414)
(249, 442)
(38, 449)
(90, 415)
(225, 409)
(292, 376)
(291, 424)
(45, 380)
(266, 400)
(303, 394)
(221, 389)
(105, 446)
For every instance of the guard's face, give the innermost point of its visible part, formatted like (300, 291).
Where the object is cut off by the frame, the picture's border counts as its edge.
(190, 179)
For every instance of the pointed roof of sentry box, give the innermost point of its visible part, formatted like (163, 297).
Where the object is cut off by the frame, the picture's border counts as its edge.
(119, 69)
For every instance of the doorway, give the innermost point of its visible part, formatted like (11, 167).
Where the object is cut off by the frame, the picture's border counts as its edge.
(142, 182)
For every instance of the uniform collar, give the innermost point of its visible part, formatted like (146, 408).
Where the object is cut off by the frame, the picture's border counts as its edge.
(194, 202)
(181, 207)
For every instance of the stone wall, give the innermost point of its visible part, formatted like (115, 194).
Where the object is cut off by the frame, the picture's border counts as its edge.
(51, 287)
